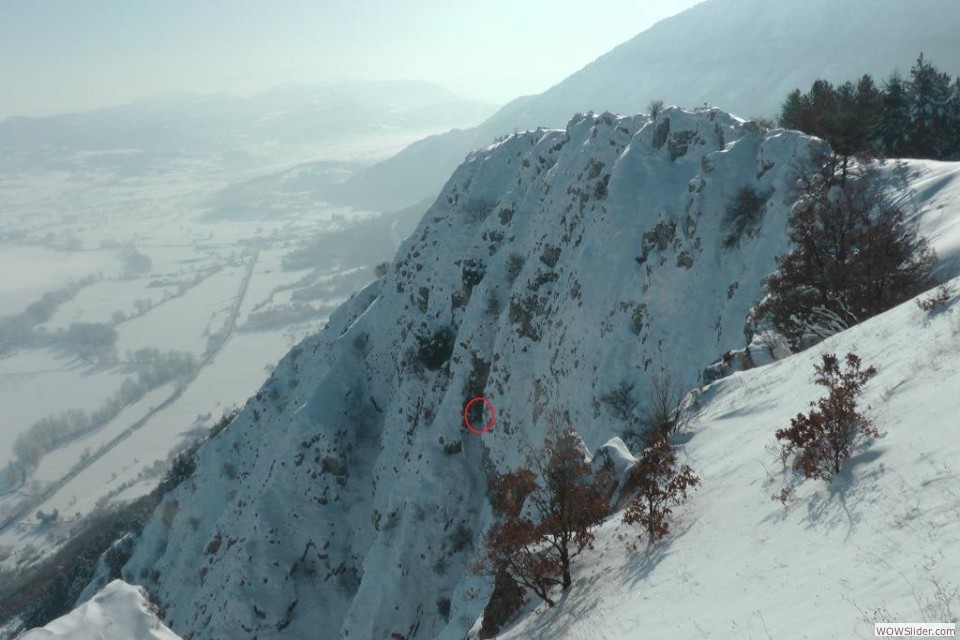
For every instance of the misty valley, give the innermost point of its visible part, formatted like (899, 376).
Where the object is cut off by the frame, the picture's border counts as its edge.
(149, 290)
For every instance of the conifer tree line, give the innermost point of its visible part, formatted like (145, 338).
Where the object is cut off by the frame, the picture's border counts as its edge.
(913, 117)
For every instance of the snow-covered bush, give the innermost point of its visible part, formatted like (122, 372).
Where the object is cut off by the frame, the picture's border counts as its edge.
(472, 273)
(475, 385)
(524, 311)
(937, 300)
(493, 304)
(477, 210)
(638, 319)
(550, 255)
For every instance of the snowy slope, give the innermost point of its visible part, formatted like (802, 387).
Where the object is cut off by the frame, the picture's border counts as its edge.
(743, 56)
(866, 548)
(118, 612)
(348, 497)
(929, 193)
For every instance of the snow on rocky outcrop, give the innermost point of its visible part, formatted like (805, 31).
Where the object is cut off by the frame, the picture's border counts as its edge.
(118, 612)
(348, 498)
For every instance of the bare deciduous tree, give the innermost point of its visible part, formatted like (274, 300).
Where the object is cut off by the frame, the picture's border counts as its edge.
(662, 411)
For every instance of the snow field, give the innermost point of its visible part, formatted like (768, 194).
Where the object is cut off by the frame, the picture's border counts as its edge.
(867, 547)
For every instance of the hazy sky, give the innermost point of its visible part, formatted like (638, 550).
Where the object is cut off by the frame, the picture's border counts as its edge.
(68, 55)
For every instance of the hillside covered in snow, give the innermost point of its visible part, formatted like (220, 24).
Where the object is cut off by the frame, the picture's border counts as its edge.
(348, 498)
(881, 543)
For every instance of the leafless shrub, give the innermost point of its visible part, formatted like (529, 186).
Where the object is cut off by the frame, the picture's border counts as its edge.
(655, 107)
(620, 401)
(662, 411)
(939, 607)
(936, 301)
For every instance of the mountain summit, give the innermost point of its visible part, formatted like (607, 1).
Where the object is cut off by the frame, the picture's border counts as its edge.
(743, 56)
(348, 496)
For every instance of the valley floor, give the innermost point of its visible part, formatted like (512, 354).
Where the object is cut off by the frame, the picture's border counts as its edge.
(233, 290)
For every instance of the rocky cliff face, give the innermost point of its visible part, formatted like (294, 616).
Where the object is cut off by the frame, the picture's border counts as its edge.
(348, 498)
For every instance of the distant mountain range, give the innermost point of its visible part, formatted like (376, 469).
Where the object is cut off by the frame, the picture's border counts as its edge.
(743, 56)
(294, 114)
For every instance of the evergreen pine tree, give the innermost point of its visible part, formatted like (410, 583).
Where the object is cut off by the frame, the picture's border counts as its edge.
(790, 110)
(868, 105)
(895, 117)
(843, 128)
(821, 108)
(917, 117)
(929, 123)
(953, 118)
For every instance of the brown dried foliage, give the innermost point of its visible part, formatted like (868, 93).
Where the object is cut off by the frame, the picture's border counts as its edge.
(659, 486)
(549, 512)
(821, 440)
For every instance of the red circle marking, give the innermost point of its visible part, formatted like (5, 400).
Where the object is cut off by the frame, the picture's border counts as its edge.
(493, 415)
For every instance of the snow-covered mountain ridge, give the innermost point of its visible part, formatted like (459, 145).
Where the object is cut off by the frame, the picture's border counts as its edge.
(347, 498)
(743, 56)
(118, 612)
